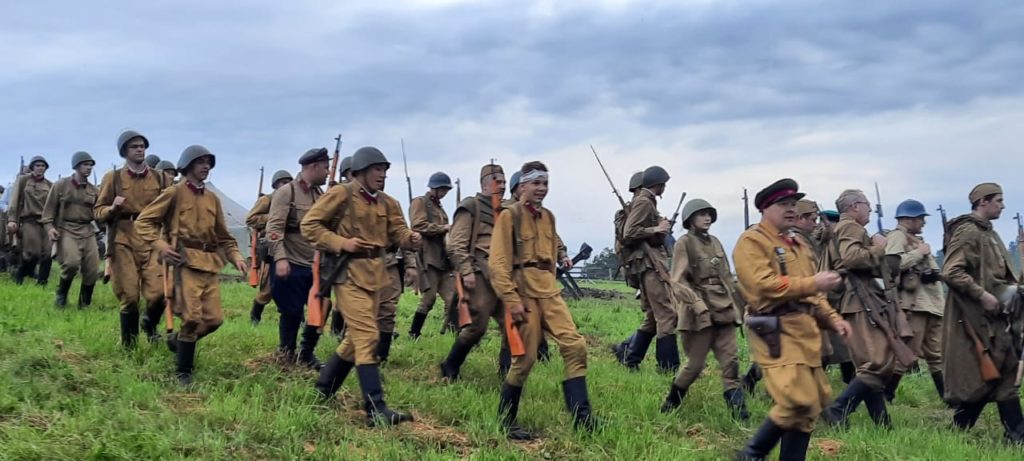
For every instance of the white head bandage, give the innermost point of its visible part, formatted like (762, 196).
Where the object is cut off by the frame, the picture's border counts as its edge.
(531, 175)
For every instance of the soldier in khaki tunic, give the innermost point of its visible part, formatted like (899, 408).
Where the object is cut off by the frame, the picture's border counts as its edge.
(169, 171)
(982, 307)
(786, 310)
(256, 219)
(427, 216)
(200, 245)
(921, 294)
(136, 275)
(28, 197)
(860, 258)
(700, 265)
(359, 221)
(643, 236)
(522, 263)
(633, 349)
(293, 256)
(69, 222)
(469, 247)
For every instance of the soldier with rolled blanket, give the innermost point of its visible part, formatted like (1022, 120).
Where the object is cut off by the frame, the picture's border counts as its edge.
(257, 219)
(428, 217)
(522, 263)
(69, 222)
(786, 310)
(28, 196)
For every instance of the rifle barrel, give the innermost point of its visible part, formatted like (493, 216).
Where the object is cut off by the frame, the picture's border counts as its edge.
(609, 178)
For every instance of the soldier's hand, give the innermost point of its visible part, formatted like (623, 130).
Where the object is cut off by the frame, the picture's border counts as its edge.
(118, 201)
(827, 280)
(171, 257)
(411, 276)
(566, 263)
(355, 245)
(416, 240)
(878, 240)
(282, 268)
(469, 281)
(12, 227)
(663, 227)
(447, 228)
(54, 235)
(925, 249)
(518, 313)
(990, 303)
(240, 265)
(842, 327)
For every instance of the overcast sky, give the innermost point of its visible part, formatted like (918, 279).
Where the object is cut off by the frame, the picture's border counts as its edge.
(924, 97)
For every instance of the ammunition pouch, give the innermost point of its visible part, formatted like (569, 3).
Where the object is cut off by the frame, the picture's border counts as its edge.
(769, 329)
(931, 276)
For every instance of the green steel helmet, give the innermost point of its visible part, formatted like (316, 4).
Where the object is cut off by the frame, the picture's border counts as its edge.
(38, 158)
(165, 165)
(693, 206)
(346, 166)
(653, 176)
(152, 160)
(439, 180)
(279, 175)
(79, 157)
(911, 209)
(128, 136)
(366, 157)
(636, 181)
(191, 153)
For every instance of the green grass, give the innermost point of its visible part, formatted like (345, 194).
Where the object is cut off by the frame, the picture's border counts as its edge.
(67, 391)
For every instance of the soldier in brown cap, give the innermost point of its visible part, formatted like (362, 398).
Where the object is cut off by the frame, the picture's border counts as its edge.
(786, 309)
(469, 247)
(256, 219)
(69, 221)
(983, 317)
(136, 274)
(28, 197)
(427, 216)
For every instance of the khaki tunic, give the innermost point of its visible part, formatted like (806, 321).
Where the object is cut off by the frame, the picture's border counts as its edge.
(193, 218)
(69, 210)
(347, 211)
(390, 294)
(977, 262)
(256, 219)
(638, 232)
(429, 219)
(135, 271)
(923, 303)
(795, 379)
(290, 204)
(469, 246)
(523, 262)
(26, 209)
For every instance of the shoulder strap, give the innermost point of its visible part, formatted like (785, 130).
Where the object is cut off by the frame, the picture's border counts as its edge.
(472, 228)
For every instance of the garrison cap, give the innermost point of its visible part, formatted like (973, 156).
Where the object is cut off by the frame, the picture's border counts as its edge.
(165, 165)
(152, 160)
(38, 158)
(779, 190)
(279, 175)
(984, 190)
(316, 154)
(489, 169)
(804, 206)
(128, 135)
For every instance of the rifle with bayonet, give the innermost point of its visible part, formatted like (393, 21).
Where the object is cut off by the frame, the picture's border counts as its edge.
(746, 210)
(945, 228)
(458, 191)
(254, 263)
(670, 240)
(566, 278)
(420, 267)
(878, 209)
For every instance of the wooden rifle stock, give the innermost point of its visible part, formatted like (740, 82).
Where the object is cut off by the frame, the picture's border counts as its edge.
(464, 316)
(515, 341)
(987, 367)
(254, 266)
(314, 310)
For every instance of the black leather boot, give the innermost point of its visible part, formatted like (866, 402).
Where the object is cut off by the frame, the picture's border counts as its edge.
(287, 334)
(848, 371)
(875, 403)
(43, 277)
(332, 375)
(256, 313)
(737, 403)
(762, 443)
(508, 411)
(543, 351)
(185, 360)
(847, 402)
(794, 445)
(377, 412)
(675, 398)
(619, 350)
(151, 321)
(337, 324)
(85, 296)
(940, 385)
(638, 349)
(666, 351)
(307, 349)
(24, 269)
(1013, 421)
(749, 380)
(384, 346)
(417, 325)
(129, 327)
(504, 360)
(578, 403)
(456, 356)
(891, 386)
(966, 414)
(61, 299)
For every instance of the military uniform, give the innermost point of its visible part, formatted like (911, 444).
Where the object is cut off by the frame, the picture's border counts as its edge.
(288, 207)
(194, 222)
(427, 216)
(835, 350)
(28, 198)
(68, 210)
(389, 296)
(256, 219)
(977, 263)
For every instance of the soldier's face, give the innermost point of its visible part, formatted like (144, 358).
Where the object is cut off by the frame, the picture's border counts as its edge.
(992, 209)
(701, 221)
(495, 184)
(38, 169)
(807, 222)
(534, 191)
(374, 177)
(440, 192)
(318, 172)
(135, 150)
(861, 211)
(913, 225)
(781, 214)
(85, 169)
(169, 176)
(201, 167)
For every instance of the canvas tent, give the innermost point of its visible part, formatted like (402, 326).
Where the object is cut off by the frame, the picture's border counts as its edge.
(234, 214)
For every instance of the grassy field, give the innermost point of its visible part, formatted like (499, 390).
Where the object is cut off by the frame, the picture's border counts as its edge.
(67, 391)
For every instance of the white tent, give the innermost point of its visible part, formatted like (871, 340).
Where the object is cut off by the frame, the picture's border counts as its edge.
(235, 216)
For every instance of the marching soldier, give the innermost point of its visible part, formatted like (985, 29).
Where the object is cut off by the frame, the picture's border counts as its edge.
(28, 197)
(469, 247)
(921, 294)
(701, 268)
(293, 255)
(643, 236)
(359, 221)
(169, 171)
(136, 273)
(786, 308)
(982, 336)
(68, 218)
(256, 219)
(152, 160)
(427, 216)
(861, 257)
(199, 247)
(522, 263)
(633, 349)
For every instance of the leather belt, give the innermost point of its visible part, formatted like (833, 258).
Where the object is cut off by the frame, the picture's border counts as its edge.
(197, 245)
(542, 265)
(792, 307)
(368, 254)
(128, 217)
(32, 218)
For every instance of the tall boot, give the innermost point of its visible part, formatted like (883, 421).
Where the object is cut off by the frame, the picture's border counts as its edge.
(848, 371)
(287, 334)
(332, 375)
(1013, 420)
(377, 412)
(23, 271)
(749, 380)
(256, 313)
(151, 320)
(508, 411)
(891, 386)
(875, 403)
(543, 351)
(186, 359)
(417, 325)
(384, 346)
(619, 350)
(638, 349)
(762, 443)
(846, 403)
(666, 351)
(794, 445)
(43, 277)
(737, 403)
(675, 398)
(453, 363)
(85, 295)
(967, 413)
(129, 327)
(504, 359)
(940, 386)
(578, 403)
(307, 349)
(337, 324)
(63, 286)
